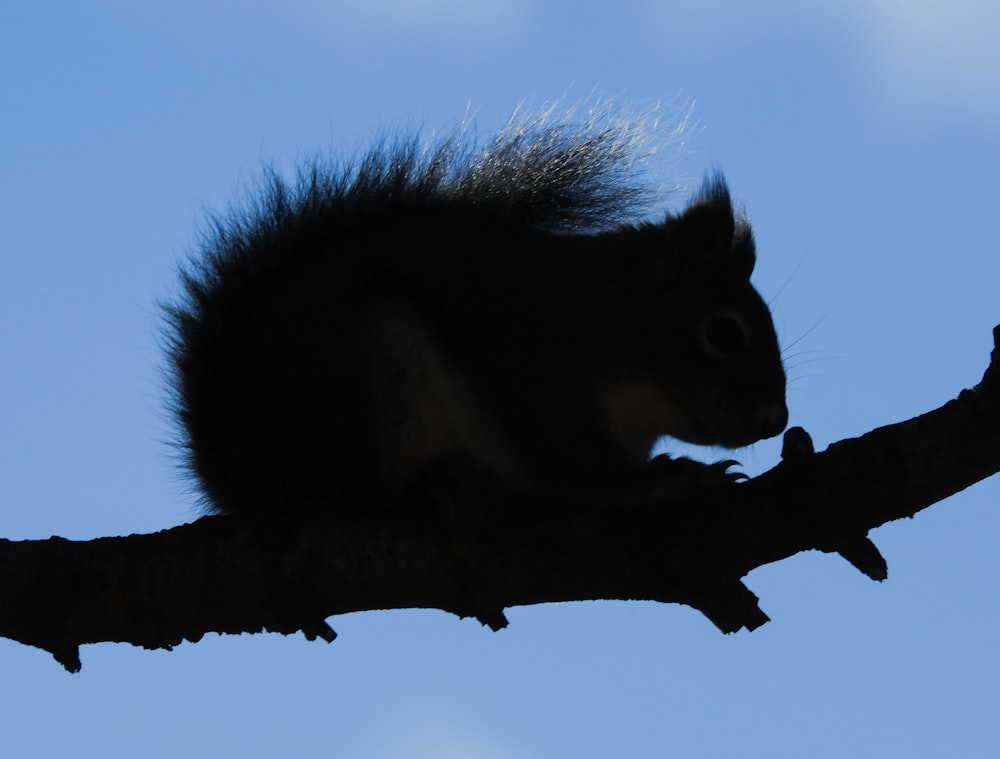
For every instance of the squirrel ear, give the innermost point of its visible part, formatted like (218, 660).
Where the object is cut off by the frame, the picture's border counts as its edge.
(710, 230)
(744, 249)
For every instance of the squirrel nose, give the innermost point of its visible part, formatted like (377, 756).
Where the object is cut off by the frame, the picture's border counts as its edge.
(772, 418)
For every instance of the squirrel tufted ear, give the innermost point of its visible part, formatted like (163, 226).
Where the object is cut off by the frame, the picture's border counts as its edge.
(744, 248)
(711, 231)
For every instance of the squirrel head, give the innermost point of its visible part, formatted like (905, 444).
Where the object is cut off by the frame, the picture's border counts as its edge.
(721, 367)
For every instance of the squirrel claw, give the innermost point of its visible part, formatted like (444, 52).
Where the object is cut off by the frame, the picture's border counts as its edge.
(724, 467)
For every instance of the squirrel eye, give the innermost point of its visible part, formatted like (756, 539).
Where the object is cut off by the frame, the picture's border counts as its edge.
(725, 335)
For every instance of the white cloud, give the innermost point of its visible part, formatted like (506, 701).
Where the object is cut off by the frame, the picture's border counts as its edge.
(930, 55)
(939, 53)
(476, 17)
(437, 732)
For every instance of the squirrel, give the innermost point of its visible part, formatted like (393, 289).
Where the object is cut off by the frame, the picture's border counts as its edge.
(504, 308)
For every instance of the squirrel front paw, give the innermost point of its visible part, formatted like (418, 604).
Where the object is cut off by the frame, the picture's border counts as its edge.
(679, 478)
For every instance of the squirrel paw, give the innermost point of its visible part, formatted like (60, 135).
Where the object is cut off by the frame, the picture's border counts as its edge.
(676, 479)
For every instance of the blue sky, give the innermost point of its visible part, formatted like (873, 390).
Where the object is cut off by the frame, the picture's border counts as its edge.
(862, 137)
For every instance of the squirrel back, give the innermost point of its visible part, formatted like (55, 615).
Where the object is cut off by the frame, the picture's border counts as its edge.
(497, 308)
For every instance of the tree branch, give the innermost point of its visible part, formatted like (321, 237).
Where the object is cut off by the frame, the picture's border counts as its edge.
(225, 574)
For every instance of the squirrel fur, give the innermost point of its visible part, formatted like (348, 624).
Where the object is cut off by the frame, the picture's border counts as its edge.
(503, 308)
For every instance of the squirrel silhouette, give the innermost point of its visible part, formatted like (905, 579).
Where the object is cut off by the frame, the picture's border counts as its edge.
(505, 309)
